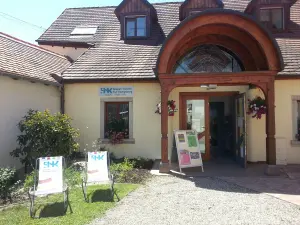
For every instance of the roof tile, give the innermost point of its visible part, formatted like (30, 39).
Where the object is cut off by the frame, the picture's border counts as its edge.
(26, 60)
(114, 58)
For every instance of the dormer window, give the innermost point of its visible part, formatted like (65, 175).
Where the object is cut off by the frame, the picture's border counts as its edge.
(136, 27)
(136, 19)
(272, 18)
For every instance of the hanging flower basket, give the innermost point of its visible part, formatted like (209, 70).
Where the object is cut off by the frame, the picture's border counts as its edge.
(171, 108)
(257, 107)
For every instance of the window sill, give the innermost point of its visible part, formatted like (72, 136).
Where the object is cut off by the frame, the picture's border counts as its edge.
(126, 141)
(295, 143)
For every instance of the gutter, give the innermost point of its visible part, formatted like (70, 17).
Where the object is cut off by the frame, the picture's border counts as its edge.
(60, 80)
(16, 76)
(287, 77)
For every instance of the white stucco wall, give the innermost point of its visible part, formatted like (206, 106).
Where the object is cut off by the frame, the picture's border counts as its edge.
(284, 90)
(256, 132)
(82, 103)
(17, 97)
(72, 52)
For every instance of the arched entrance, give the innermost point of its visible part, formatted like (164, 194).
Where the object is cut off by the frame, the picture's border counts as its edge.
(221, 47)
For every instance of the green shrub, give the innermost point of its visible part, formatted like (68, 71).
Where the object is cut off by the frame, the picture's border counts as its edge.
(29, 180)
(73, 176)
(45, 134)
(121, 170)
(142, 163)
(8, 183)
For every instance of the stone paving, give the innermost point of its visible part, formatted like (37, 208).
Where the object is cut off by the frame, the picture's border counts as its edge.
(183, 200)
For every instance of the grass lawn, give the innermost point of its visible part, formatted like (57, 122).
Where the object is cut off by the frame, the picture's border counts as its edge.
(82, 212)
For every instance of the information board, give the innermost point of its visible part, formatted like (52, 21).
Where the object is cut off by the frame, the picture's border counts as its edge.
(188, 149)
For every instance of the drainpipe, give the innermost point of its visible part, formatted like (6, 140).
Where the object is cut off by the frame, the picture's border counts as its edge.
(62, 98)
(61, 88)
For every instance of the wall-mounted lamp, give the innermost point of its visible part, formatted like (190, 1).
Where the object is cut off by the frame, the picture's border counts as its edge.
(209, 87)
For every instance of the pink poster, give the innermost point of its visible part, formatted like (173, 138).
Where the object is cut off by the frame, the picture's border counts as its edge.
(185, 158)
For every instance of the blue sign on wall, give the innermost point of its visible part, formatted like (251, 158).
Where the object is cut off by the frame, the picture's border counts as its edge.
(116, 91)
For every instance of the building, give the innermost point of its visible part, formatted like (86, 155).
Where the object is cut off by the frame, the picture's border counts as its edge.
(209, 56)
(25, 83)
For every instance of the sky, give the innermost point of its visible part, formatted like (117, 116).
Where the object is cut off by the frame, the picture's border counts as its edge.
(41, 14)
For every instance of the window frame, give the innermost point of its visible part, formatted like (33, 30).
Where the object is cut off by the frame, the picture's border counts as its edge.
(118, 109)
(134, 18)
(295, 117)
(103, 101)
(271, 16)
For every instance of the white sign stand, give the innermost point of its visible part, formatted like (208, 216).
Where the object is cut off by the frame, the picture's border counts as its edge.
(188, 149)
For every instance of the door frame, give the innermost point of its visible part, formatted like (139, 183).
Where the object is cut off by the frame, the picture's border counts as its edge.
(184, 96)
(241, 160)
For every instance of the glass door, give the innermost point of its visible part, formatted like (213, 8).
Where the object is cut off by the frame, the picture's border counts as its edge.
(240, 128)
(194, 113)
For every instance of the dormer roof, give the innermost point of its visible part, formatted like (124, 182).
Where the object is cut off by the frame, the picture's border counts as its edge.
(198, 4)
(135, 6)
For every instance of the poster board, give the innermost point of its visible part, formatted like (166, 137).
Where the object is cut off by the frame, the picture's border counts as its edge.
(188, 149)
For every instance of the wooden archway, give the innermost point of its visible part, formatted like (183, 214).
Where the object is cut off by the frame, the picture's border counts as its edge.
(254, 46)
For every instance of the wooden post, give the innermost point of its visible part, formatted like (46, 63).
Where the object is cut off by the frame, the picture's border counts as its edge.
(164, 165)
(270, 123)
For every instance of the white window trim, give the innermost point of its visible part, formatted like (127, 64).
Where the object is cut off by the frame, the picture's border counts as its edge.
(294, 119)
(283, 20)
(103, 100)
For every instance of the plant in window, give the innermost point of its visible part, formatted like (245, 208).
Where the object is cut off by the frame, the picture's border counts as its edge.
(257, 107)
(117, 130)
(171, 108)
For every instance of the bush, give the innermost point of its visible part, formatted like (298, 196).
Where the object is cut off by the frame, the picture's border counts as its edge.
(29, 180)
(121, 170)
(142, 163)
(125, 171)
(8, 183)
(73, 176)
(44, 134)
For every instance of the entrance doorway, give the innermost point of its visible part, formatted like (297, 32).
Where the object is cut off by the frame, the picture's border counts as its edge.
(219, 119)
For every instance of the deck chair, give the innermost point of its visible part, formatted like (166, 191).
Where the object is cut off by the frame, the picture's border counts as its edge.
(50, 181)
(97, 171)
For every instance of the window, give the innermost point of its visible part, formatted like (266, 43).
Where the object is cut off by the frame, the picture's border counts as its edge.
(208, 59)
(117, 118)
(272, 18)
(136, 27)
(296, 119)
(84, 31)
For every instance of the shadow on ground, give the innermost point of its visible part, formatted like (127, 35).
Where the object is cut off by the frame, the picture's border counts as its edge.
(253, 179)
(53, 210)
(101, 196)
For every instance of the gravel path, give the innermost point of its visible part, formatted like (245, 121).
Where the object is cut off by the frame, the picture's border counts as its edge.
(172, 200)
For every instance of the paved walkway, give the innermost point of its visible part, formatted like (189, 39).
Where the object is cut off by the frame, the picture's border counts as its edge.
(199, 200)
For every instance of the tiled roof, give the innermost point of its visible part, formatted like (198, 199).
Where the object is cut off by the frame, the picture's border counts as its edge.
(24, 60)
(114, 58)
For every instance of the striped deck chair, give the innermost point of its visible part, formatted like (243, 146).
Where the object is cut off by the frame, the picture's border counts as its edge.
(97, 171)
(50, 181)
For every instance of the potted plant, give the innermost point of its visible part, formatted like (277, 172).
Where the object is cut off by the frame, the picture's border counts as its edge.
(117, 131)
(257, 107)
(171, 108)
